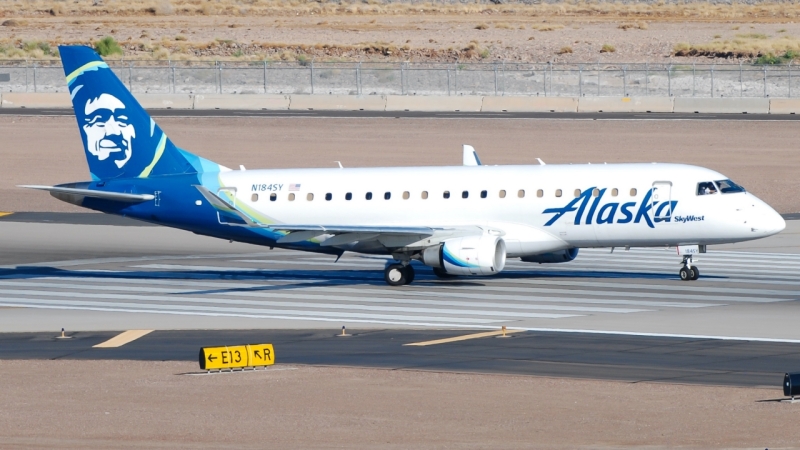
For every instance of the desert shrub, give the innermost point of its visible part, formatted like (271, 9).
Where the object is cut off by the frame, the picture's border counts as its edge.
(608, 48)
(107, 46)
(481, 26)
(564, 50)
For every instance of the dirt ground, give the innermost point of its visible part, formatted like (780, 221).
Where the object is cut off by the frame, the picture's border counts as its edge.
(437, 37)
(124, 404)
(762, 156)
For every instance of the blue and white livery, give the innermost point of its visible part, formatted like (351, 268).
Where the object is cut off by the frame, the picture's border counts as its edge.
(463, 220)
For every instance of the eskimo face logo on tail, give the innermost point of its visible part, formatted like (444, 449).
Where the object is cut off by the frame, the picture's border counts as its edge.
(587, 210)
(108, 131)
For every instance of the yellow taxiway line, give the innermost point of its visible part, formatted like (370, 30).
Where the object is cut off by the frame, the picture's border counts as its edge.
(123, 338)
(463, 338)
(3, 214)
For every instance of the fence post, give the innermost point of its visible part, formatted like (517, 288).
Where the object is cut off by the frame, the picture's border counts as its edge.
(545, 78)
(712, 81)
(495, 79)
(34, 77)
(312, 77)
(26, 75)
(448, 81)
(694, 81)
(402, 77)
(172, 68)
(503, 93)
(455, 78)
(741, 82)
(580, 81)
(790, 79)
(599, 71)
(669, 80)
(765, 80)
(624, 81)
(265, 76)
(130, 77)
(358, 78)
(646, 79)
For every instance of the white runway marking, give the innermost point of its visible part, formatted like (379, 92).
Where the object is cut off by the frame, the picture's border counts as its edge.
(311, 287)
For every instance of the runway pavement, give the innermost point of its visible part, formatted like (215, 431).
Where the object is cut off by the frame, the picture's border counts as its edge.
(421, 114)
(114, 278)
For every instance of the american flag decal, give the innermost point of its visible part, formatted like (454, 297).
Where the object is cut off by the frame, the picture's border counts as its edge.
(294, 187)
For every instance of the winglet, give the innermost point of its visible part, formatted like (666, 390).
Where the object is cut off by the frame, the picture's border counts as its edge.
(471, 156)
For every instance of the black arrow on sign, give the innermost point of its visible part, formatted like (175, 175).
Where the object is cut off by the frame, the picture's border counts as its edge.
(211, 357)
(255, 352)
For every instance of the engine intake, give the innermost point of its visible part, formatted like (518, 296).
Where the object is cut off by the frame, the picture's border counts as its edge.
(553, 257)
(471, 255)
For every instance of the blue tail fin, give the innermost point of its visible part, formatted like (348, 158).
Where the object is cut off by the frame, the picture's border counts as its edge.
(119, 137)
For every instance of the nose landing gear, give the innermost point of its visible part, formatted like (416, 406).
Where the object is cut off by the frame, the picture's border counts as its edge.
(689, 272)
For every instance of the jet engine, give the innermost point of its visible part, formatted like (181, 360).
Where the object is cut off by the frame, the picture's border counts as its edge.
(553, 257)
(470, 255)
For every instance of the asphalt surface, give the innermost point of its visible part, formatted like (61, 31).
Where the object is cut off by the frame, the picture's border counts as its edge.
(621, 315)
(421, 115)
(591, 356)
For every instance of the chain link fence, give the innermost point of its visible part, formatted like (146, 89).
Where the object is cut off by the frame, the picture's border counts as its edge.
(545, 79)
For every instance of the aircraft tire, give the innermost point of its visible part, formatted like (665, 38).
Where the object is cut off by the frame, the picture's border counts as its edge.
(686, 274)
(695, 273)
(410, 274)
(395, 275)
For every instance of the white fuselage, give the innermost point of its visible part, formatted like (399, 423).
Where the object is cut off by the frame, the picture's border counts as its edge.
(538, 209)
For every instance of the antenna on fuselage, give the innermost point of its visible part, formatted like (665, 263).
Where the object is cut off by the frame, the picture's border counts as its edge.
(340, 164)
(541, 163)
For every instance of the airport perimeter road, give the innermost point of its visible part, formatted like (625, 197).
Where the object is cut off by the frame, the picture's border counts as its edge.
(88, 278)
(588, 356)
(421, 114)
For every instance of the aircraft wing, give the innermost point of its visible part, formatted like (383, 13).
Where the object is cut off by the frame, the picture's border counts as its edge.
(105, 195)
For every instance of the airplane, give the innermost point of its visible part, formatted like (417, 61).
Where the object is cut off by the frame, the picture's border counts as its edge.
(460, 221)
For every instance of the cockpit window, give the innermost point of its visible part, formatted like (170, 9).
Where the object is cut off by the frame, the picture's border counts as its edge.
(729, 187)
(706, 188)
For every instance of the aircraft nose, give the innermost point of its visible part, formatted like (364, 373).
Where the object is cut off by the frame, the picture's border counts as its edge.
(768, 222)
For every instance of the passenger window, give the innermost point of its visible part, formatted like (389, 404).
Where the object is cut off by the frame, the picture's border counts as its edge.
(406, 195)
(729, 187)
(614, 192)
(633, 192)
(596, 192)
(348, 196)
(521, 193)
(291, 197)
(540, 193)
(465, 194)
(446, 194)
(484, 194)
(254, 197)
(387, 195)
(328, 196)
(310, 196)
(558, 192)
(502, 193)
(273, 197)
(706, 188)
(424, 195)
(577, 193)
(368, 196)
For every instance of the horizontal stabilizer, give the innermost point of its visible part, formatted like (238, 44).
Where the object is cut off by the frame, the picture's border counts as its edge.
(221, 205)
(105, 195)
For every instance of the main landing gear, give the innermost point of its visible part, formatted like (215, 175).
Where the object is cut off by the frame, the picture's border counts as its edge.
(398, 274)
(689, 272)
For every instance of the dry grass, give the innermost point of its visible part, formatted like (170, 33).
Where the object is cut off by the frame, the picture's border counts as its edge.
(763, 11)
(546, 27)
(744, 46)
(633, 26)
(502, 25)
(564, 50)
(608, 48)
(481, 26)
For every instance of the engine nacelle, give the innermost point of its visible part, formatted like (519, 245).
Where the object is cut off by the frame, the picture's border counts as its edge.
(470, 255)
(553, 257)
